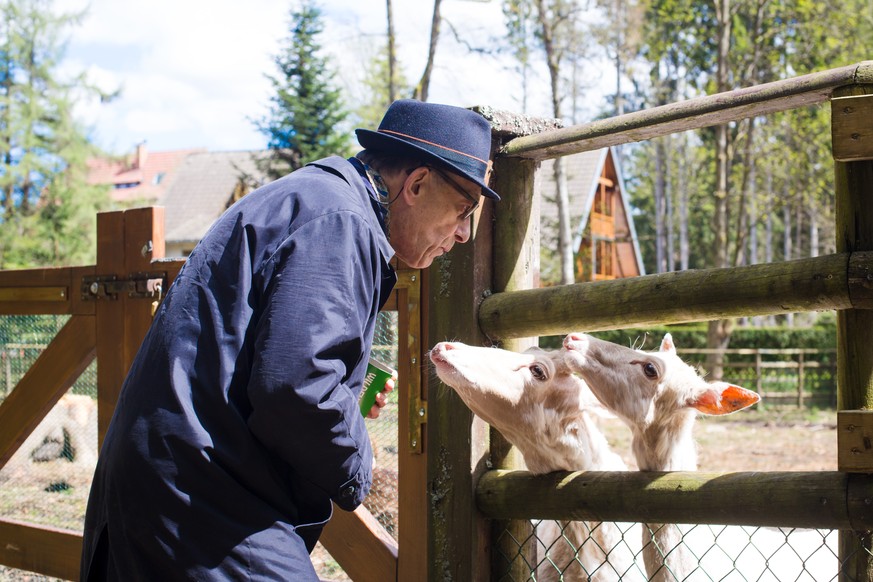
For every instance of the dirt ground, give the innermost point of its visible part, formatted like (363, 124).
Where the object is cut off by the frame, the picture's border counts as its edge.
(750, 440)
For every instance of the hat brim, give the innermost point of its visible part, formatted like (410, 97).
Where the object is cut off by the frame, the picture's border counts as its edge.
(374, 140)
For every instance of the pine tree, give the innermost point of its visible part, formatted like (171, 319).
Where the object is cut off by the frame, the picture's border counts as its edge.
(47, 212)
(307, 115)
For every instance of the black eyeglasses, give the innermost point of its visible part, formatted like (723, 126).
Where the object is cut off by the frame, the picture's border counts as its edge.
(460, 190)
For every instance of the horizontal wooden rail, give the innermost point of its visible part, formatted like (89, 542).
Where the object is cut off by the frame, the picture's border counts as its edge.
(53, 290)
(172, 265)
(759, 351)
(820, 499)
(690, 114)
(788, 365)
(816, 284)
(42, 549)
(58, 290)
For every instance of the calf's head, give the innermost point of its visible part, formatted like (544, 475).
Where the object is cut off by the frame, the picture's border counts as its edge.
(648, 387)
(532, 398)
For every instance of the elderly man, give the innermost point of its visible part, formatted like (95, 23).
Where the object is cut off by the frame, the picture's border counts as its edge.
(238, 422)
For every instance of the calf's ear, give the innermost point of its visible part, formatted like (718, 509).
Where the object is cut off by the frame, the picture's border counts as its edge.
(667, 344)
(724, 398)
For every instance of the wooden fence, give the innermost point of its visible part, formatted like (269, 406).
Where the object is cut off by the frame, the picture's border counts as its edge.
(490, 282)
(811, 372)
(463, 487)
(110, 308)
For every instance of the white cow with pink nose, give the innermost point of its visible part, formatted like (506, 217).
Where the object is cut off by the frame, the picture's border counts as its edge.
(546, 404)
(658, 396)
(546, 411)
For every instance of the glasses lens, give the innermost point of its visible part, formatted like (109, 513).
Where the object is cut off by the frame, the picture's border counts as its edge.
(460, 190)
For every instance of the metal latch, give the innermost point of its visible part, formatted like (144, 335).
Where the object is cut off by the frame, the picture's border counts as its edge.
(136, 285)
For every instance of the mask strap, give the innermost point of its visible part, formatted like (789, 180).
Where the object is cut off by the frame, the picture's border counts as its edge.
(377, 182)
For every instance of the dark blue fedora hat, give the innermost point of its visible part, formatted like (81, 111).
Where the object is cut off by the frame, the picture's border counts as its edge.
(453, 138)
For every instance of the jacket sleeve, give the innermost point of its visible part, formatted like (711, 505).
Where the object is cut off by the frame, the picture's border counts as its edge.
(318, 306)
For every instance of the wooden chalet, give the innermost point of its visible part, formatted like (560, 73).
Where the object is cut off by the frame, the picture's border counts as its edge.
(604, 238)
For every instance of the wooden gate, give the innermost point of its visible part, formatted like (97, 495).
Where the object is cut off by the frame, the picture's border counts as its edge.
(110, 305)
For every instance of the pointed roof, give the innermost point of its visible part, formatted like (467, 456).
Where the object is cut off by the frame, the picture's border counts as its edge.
(583, 172)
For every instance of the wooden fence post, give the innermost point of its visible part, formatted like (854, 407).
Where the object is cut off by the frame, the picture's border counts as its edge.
(800, 380)
(127, 241)
(455, 440)
(759, 381)
(516, 267)
(452, 290)
(853, 154)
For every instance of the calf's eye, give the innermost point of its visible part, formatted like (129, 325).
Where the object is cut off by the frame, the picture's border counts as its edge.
(650, 370)
(537, 372)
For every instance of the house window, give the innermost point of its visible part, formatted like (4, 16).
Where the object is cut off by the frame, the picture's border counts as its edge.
(595, 259)
(158, 177)
(603, 266)
(603, 200)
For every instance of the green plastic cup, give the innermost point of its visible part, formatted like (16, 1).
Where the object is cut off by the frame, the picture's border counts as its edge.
(374, 382)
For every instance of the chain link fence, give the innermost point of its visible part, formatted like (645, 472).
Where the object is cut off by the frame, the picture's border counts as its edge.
(382, 501)
(574, 551)
(46, 482)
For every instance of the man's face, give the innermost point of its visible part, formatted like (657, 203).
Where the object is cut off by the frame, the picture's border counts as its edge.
(432, 215)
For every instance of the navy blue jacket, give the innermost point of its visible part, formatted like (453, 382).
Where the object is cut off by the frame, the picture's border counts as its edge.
(238, 422)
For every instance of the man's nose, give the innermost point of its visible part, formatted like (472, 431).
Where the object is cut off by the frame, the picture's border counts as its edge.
(462, 233)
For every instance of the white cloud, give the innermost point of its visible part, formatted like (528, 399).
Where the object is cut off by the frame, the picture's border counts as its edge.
(192, 72)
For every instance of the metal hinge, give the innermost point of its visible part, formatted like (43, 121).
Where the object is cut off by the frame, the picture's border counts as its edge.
(136, 285)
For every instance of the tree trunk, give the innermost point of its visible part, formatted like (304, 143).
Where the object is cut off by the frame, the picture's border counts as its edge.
(787, 250)
(660, 205)
(423, 86)
(798, 228)
(746, 188)
(768, 224)
(684, 246)
(553, 60)
(753, 219)
(392, 56)
(718, 332)
(668, 207)
(565, 240)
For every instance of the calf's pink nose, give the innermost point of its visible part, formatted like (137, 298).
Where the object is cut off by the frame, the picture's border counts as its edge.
(573, 337)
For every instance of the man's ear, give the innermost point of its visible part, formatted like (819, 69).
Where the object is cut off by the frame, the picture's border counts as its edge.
(414, 182)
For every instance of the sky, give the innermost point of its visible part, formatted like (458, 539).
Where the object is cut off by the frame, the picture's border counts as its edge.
(193, 73)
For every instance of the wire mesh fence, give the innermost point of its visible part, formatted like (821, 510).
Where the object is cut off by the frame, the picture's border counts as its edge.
(382, 501)
(47, 481)
(574, 551)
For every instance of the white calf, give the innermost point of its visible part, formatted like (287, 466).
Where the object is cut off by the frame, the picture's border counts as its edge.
(658, 396)
(535, 401)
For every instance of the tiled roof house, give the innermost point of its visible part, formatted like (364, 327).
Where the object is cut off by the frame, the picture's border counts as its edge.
(206, 184)
(140, 178)
(194, 186)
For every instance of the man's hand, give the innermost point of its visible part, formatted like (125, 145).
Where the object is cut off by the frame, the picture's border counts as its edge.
(382, 397)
